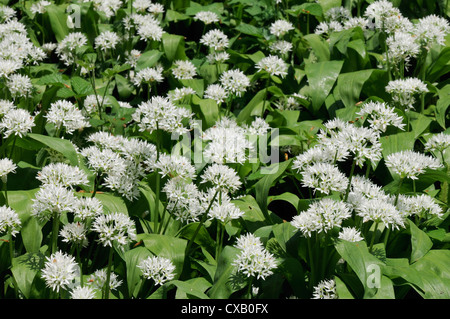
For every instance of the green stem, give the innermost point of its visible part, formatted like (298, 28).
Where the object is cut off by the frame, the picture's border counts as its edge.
(55, 232)
(372, 240)
(249, 289)
(12, 147)
(205, 216)
(352, 170)
(311, 264)
(11, 256)
(108, 273)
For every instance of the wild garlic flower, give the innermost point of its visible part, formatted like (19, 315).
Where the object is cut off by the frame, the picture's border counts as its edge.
(107, 7)
(92, 102)
(98, 280)
(217, 57)
(325, 178)
(87, 208)
(19, 85)
(184, 200)
(179, 94)
(423, 206)
(253, 260)
(227, 142)
(5, 107)
(380, 116)
(234, 81)
(224, 210)
(114, 228)
(83, 292)
(215, 39)
(355, 22)
(222, 178)
(328, 27)
(125, 183)
(7, 166)
(103, 161)
(8, 67)
(282, 47)
(141, 6)
(326, 289)
(63, 175)
(74, 233)
(9, 221)
(438, 142)
(172, 165)
(132, 57)
(258, 127)
(155, 8)
(315, 154)
(158, 269)
(215, 92)
(379, 11)
(410, 164)
(403, 91)
(363, 188)
(149, 76)
(431, 29)
(106, 40)
(66, 49)
(6, 13)
(39, 7)
(339, 14)
(363, 144)
(380, 211)
(60, 270)
(184, 70)
(150, 29)
(350, 234)
(207, 17)
(52, 199)
(280, 27)
(161, 113)
(65, 114)
(402, 46)
(273, 65)
(321, 216)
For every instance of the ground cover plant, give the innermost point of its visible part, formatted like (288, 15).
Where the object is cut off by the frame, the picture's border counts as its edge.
(224, 150)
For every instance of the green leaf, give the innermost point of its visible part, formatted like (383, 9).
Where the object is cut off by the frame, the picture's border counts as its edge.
(321, 77)
(223, 286)
(420, 242)
(191, 289)
(264, 185)
(366, 266)
(349, 86)
(173, 47)
(132, 259)
(254, 107)
(442, 105)
(65, 147)
(80, 86)
(58, 21)
(25, 268)
(250, 30)
(148, 59)
(166, 246)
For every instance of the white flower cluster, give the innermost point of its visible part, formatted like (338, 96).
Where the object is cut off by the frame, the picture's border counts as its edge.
(253, 260)
(114, 228)
(59, 271)
(65, 114)
(321, 216)
(403, 91)
(158, 269)
(9, 221)
(326, 289)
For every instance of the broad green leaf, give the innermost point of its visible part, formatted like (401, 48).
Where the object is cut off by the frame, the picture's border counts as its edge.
(366, 266)
(397, 142)
(263, 186)
(31, 232)
(63, 146)
(148, 59)
(58, 21)
(25, 268)
(319, 46)
(166, 246)
(112, 203)
(173, 46)
(349, 86)
(223, 286)
(249, 29)
(253, 108)
(81, 86)
(191, 289)
(132, 259)
(420, 242)
(442, 105)
(321, 77)
(203, 238)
